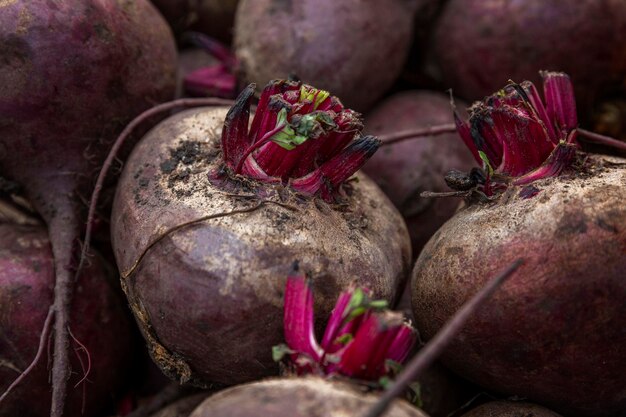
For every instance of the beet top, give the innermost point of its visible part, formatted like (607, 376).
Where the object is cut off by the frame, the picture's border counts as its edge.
(72, 74)
(210, 215)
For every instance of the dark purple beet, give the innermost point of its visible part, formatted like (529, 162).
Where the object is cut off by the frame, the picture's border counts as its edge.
(355, 49)
(405, 169)
(72, 74)
(99, 321)
(182, 407)
(479, 45)
(208, 294)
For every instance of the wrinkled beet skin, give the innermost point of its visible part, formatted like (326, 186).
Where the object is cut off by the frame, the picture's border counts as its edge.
(211, 17)
(510, 409)
(301, 397)
(212, 294)
(72, 74)
(554, 332)
(407, 168)
(353, 48)
(479, 44)
(98, 321)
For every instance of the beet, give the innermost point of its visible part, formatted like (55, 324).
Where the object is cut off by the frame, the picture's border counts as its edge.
(551, 336)
(205, 232)
(301, 397)
(98, 321)
(73, 73)
(479, 45)
(323, 43)
(405, 169)
(212, 17)
(510, 409)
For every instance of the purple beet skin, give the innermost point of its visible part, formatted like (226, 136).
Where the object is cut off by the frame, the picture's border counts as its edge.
(355, 49)
(479, 45)
(99, 322)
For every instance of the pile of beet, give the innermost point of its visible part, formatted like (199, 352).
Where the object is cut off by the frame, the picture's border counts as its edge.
(312, 208)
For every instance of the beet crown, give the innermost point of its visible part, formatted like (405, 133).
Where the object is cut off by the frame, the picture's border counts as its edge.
(299, 135)
(519, 139)
(363, 339)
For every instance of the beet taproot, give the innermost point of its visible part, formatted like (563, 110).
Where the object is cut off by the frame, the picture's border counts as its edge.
(404, 170)
(72, 74)
(209, 218)
(551, 336)
(510, 409)
(323, 43)
(297, 397)
(99, 321)
(479, 45)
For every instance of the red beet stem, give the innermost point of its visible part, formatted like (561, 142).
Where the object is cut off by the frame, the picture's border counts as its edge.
(299, 135)
(361, 335)
(440, 341)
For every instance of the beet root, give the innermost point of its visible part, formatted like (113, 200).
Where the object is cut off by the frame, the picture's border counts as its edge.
(479, 45)
(510, 409)
(74, 72)
(403, 170)
(321, 43)
(98, 321)
(301, 397)
(550, 336)
(209, 296)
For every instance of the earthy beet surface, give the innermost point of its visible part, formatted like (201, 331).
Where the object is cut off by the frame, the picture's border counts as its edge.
(405, 169)
(510, 409)
(302, 397)
(72, 74)
(99, 321)
(479, 45)
(190, 60)
(551, 334)
(212, 17)
(209, 297)
(354, 48)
